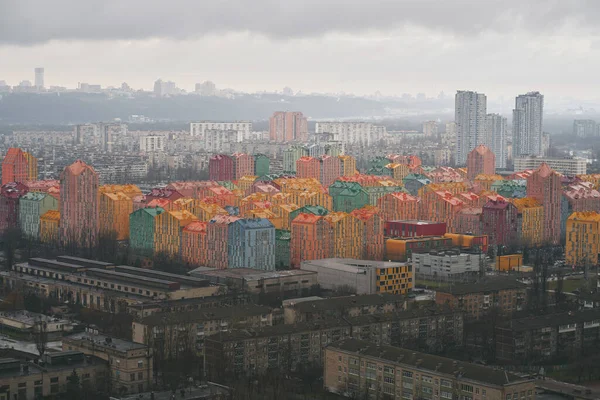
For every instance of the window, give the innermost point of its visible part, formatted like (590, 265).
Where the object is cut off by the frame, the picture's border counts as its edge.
(426, 379)
(467, 388)
(407, 374)
(37, 382)
(132, 377)
(22, 384)
(140, 364)
(445, 395)
(388, 370)
(54, 380)
(445, 383)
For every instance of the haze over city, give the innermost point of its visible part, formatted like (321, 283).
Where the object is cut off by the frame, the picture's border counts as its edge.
(411, 46)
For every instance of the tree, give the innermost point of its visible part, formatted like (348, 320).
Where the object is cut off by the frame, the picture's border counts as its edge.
(40, 335)
(73, 388)
(11, 239)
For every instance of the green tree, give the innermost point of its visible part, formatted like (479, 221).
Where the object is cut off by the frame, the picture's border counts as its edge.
(73, 388)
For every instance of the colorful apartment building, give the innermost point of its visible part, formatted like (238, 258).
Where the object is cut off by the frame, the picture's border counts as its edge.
(414, 182)
(220, 168)
(347, 196)
(31, 207)
(114, 211)
(544, 185)
(251, 244)
(372, 243)
(377, 192)
(130, 191)
(469, 221)
(481, 160)
(499, 222)
(243, 165)
(308, 167)
(468, 242)
(399, 206)
(283, 239)
(441, 206)
(314, 198)
(484, 182)
(49, 227)
(330, 169)
(311, 239)
(18, 166)
(401, 249)
(221, 196)
(163, 194)
(217, 236)
(530, 221)
(284, 213)
(347, 165)
(582, 196)
(398, 171)
(78, 205)
(10, 195)
(346, 235)
(246, 182)
(583, 239)
(261, 165)
(142, 225)
(168, 230)
(194, 245)
(515, 189)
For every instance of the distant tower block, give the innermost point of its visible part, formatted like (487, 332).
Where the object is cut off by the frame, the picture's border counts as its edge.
(39, 78)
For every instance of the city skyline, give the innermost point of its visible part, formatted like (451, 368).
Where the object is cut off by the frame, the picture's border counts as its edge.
(360, 51)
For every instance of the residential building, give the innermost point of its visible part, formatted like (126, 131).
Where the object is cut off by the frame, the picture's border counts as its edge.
(78, 206)
(570, 166)
(364, 133)
(480, 160)
(470, 118)
(27, 380)
(287, 126)
(217, 238)
(261, 165)
(399, 206)
(25, 325)
(308, 310)
(541, 338)
(346, 235)
(530, 221)
(401, 249)
(220, 168)
(362, 276)
(475, 300)
(311, 238)
(347, 196)
(496, 138)
(544, 185)
(142, 225)
(528, 116)
(251, 244)
(10, 195)
(348, 165)
(18, 166)
(413, 228)
(372, 244)
(114, 211)
(499, 222)
(308, 167)
(31, 207)
(330, 169)
(49, 222)
(243, 165)
(168, 227)
(360, 368)
(152, 143)
(130, 363)
(430, 128)
(582, 245)
(584, 128)
(242, 129)
(194, 246)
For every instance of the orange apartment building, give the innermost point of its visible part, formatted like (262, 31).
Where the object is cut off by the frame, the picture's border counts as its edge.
(18, 166)
(346, 235)
(399, 206)
(484, 182)
(441, 206)
(347, 165)
(330, 169)
(217, 236)
(308, 167)
(113, 214)
(168, 230)
(243, 165)
(194, 246)
(311, 239)
(283, 212)
(49, 226)
(373, 243)
(398, 171)
(530, 221)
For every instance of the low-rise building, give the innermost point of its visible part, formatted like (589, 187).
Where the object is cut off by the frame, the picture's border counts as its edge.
(447, 265)
(298, 310)
(363, 276)
(475, 300)
(256, 281)
(25, 380)
(26, 324)
(541, 338)
(359, 368)
(570, 166)
(130, 363)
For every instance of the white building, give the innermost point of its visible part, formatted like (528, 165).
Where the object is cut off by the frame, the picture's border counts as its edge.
(570, 166)
(364, 133)
(360, 275)
(449, 137)
(527, 125)
(243, 128)
(151, 143)
(39, 78)
(496, 138)
(445, 265)
(430, 128)
(585, 128)
(470, 111)
(219, 140)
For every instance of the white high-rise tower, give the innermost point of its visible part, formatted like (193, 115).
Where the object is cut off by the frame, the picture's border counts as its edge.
(39, 78)
(496, 138)
(527, 125)
(470, 118)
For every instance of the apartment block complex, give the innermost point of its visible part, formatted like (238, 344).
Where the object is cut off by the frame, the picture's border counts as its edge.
(31, 207)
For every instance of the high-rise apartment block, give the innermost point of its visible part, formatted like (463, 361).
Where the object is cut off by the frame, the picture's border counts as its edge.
(39, 78)
(364, 133)
(527, 125)
(583, 239)
(544, 185)
(430, 128)
(79, 205)
(287, 126)
(152, 143)
(19, 166)
(496, 138)
(481, 160)
(470, 118)
(220, 168)
(31, 207)
(242, 129)
(585, 128)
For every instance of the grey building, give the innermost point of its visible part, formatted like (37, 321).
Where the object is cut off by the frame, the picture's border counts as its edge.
(470, 118)
(496, 138)
(527, 125)
(447, 265)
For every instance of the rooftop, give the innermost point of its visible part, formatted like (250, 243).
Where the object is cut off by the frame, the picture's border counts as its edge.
(349, 264)
(247, 273)
(485, 285)
(347, 301)
(208, 314)
(553, 320)
(427, 362)
(103, 341)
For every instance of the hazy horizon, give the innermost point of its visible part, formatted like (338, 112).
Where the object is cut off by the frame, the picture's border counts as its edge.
(501, 48)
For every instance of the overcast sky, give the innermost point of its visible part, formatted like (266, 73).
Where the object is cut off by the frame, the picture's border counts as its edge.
(499, 47)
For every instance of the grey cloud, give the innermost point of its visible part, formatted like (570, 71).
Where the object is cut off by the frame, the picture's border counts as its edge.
(24, 22)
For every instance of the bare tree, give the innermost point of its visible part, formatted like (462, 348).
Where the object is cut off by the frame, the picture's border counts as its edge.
(40, 335)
